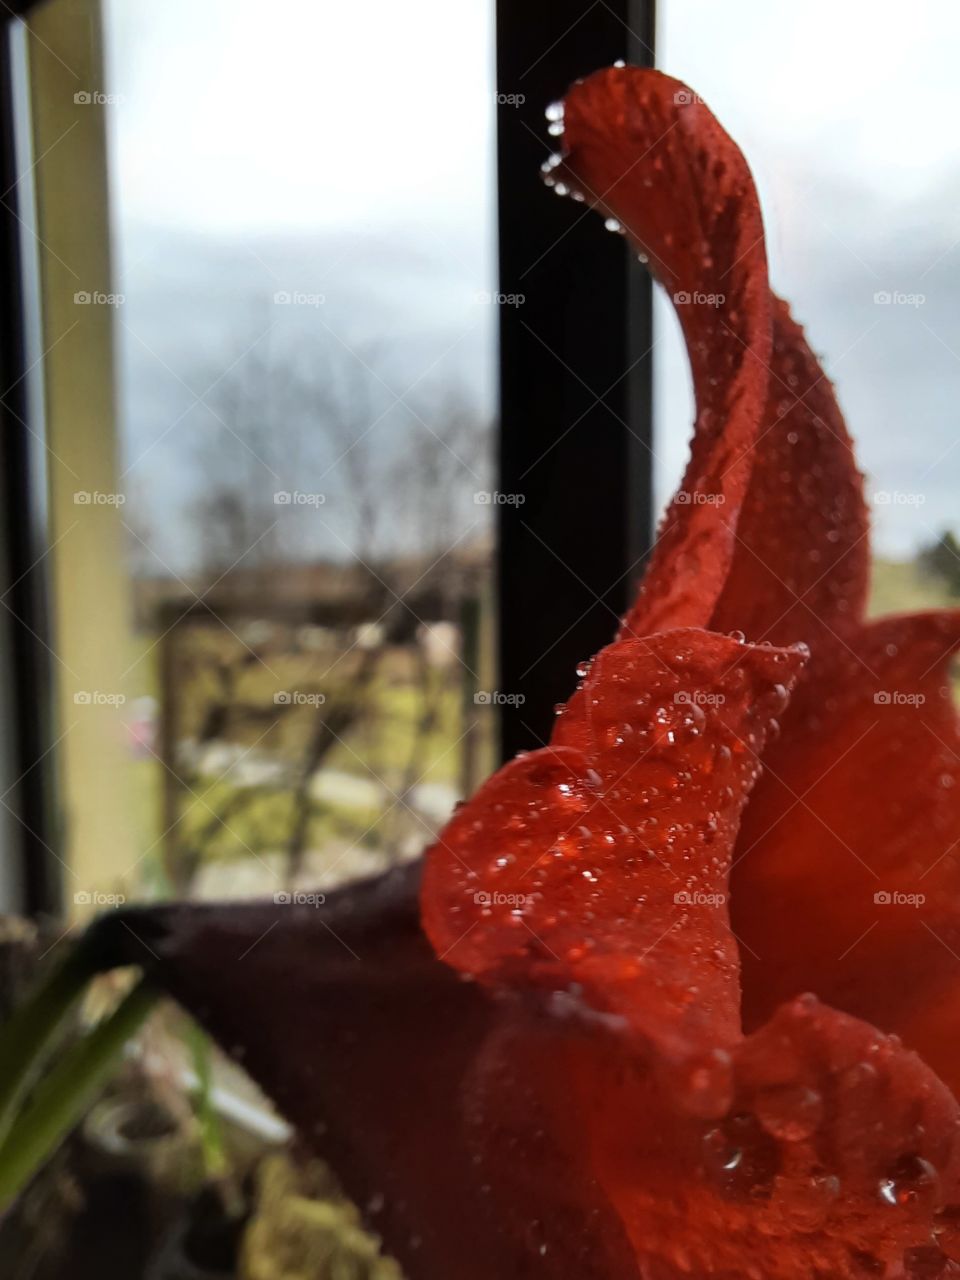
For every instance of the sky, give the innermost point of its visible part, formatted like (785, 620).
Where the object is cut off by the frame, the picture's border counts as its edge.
(348, 150)
(338, 155)
(847, 115)
(299, 116)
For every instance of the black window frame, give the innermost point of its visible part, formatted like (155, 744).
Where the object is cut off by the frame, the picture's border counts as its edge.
(575, 443)
(24, 541)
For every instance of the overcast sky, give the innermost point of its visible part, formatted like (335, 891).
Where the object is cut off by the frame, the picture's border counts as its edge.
(847, 113)
(267, 125)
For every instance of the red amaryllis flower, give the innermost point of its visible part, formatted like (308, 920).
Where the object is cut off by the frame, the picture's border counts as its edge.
(595, 1057)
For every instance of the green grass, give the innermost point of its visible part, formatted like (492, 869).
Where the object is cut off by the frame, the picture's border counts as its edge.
(900, 587)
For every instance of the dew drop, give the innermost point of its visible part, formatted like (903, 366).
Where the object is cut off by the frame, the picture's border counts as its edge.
(740, 1157)
(912, 1183)
(706, 1085)
(868, 1264)
(790, 1112)
(946, 1228)
(810, 1200)
(925, 1262)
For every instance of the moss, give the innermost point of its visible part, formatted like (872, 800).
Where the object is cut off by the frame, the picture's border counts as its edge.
(304, 1229)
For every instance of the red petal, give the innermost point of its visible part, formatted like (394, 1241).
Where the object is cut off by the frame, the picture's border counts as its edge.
(489, 1137)
(604, 864)
(641, 147)
(863, 798)
(801, 566)
(798, 1182)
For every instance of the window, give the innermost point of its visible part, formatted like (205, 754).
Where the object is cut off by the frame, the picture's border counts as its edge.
(845, 120)
(265, 427)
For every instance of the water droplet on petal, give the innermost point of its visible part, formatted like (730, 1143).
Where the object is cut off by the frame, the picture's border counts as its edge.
(946, 1227)
(924, 1262)
(810, 1200)
(706, 1085)
(790, 1112)
(740, 1157)
(912, 1183)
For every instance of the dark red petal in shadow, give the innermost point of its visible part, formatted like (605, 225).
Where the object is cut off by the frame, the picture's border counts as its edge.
(798, 1181)
(364, 1040)
(642, 148)
(604, 865)
(863, 799)
(801, 566)
(488, 1134)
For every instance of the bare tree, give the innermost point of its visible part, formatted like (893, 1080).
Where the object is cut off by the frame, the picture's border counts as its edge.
(308, 456)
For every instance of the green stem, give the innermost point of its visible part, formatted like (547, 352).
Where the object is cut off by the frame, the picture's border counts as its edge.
(30, 1032)
(208, 1121)
(61, 1098)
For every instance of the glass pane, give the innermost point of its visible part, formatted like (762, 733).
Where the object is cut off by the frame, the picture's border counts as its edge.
(846, 118)
(304, 250)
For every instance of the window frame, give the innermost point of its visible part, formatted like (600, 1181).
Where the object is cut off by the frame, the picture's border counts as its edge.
(33, 881)
(575, 378)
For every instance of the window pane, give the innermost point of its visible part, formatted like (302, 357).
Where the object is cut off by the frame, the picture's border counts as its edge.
(846, 115)
(303, 209)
